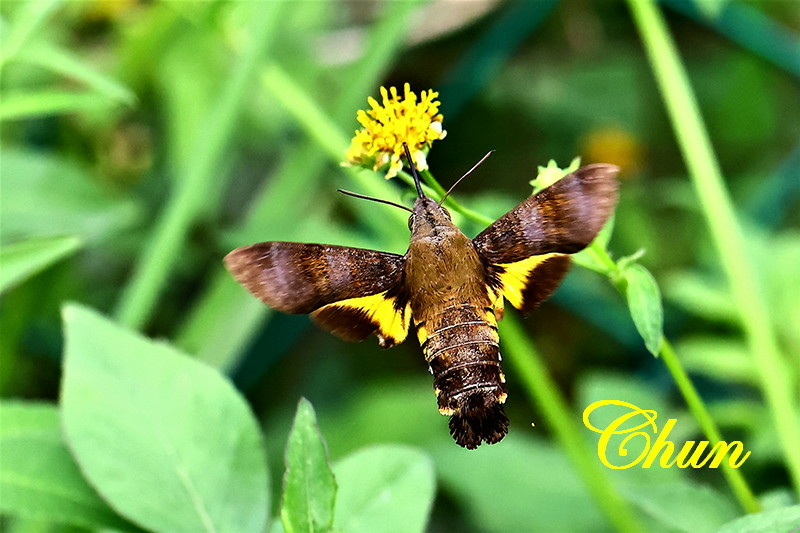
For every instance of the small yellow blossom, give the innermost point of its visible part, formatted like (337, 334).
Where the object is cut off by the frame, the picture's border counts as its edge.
(408, 118)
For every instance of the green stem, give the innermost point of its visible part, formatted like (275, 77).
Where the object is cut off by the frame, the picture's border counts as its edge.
(734, 477)
(697, 407)
(726, 232)
(542, 391)
(164, 247)
(432, 183)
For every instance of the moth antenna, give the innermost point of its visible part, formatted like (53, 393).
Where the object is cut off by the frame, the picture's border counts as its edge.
(372, 198)
(413, 171)
(453, 186)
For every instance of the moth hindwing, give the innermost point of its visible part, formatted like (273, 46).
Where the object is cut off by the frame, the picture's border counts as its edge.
(448, 288)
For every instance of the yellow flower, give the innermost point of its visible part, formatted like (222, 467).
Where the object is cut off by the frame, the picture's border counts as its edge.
(415, 121)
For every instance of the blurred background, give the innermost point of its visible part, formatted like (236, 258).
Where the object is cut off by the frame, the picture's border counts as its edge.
(158, 136)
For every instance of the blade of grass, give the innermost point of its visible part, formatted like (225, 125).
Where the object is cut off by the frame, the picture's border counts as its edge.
(777, 378)
(542, 391)
(164, 249)
(67, 64)
(32, 104)
(205, 332)
(28, 20)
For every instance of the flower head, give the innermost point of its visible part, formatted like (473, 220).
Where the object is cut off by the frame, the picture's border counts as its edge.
(386, 126)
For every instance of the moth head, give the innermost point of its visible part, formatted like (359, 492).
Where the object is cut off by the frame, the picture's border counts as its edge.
(428, 218)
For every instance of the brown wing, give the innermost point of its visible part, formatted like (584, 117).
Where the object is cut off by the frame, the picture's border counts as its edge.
(352, 292)
(525, 250)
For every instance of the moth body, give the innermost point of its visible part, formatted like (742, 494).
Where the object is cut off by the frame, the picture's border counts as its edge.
(454, 318)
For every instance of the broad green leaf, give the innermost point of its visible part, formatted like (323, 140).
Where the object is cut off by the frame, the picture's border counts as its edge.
(683, 506)
(38, 477)
(166, 440)
(384, 489)
(46, 102)
(784, 519)
(309, 488)
(22, 260)
(644, 303)
(45, 196)
(519, 485)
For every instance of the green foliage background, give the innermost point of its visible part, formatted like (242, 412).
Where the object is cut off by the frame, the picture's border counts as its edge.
(141, 141)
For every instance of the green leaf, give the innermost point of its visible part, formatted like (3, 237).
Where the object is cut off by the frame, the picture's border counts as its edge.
(683, 506)
(604, 237)
(309, 488)
(644, 303)
(784, 519)
(384, 488)
(551, 173)
(38, 477)
(45, 196)
(524, 484)
(24, 259)
(166, 440)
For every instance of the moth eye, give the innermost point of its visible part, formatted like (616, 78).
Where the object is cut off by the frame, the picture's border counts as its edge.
(447, 214)
(411, 222)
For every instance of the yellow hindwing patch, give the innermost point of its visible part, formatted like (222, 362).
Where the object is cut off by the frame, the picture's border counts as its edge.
(515, 278)
(392, 324)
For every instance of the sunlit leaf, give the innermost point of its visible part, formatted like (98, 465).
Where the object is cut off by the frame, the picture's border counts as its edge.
(523, 484)
(166, 440)
(45, 196)
(38, 477)
(781, 519)
(309, 488)
(684, 506)
(384, 489)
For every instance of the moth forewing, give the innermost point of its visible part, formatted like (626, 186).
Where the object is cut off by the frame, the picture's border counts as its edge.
(352, 292)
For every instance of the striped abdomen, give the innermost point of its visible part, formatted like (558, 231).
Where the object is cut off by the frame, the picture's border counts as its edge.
(460, 343)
